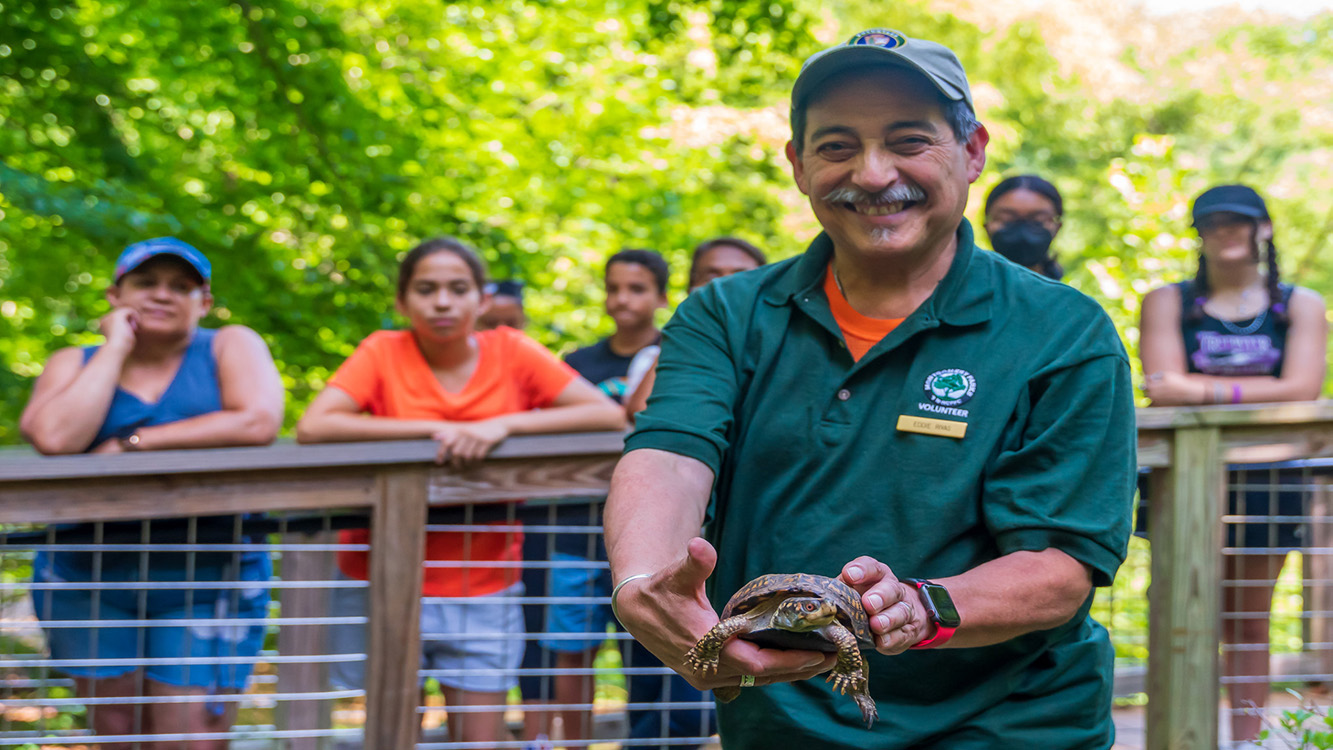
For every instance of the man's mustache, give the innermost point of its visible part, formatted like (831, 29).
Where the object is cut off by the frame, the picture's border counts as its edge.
(891, 194)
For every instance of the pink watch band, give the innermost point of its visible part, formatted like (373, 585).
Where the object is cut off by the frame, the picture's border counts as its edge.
(941, 637)
(942, 633)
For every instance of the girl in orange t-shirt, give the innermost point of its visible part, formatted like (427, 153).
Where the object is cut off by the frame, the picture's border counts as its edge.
(469, 390)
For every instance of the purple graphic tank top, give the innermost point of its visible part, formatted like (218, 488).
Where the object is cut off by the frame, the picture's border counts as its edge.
(1241, 347)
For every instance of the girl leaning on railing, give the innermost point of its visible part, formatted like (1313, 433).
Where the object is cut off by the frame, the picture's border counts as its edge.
(469, 390)
(1236, 334)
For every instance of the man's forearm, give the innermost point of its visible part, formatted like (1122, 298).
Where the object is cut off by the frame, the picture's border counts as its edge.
(1016, 594)
(656, 506)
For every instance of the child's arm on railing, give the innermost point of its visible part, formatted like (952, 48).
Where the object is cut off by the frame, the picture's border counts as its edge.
(336, 417)
(580, 407)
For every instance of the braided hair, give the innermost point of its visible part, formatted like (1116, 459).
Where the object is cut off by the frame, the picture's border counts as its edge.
(1277, 307)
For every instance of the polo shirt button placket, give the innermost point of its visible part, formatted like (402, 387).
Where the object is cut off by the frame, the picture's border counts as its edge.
(844, 394)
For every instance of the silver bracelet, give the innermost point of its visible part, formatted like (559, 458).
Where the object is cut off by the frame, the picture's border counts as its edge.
(616, 592)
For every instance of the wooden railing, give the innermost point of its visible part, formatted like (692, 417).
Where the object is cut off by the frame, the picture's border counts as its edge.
(396, 481)
(1188, 448)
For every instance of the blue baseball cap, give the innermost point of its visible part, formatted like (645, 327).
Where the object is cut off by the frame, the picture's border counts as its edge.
(140, 252)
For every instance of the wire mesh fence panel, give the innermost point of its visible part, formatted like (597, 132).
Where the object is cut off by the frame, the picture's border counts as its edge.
(519, 648)
(1275, 579)
(200, 629)
(1122, 608)
(249, 631)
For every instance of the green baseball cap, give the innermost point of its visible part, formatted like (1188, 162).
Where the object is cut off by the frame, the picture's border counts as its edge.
(885, 47)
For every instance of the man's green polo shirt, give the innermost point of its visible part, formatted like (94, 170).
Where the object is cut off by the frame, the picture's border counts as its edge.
(817, 463)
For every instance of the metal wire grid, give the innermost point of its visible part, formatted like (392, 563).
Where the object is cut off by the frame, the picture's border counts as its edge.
(1276, 594)
(1277, 598)
(290, 698)
(40, 701)
(582, 682)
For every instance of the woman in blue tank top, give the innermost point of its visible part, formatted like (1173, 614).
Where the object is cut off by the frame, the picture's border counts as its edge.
(158, 382)
(1235, 334)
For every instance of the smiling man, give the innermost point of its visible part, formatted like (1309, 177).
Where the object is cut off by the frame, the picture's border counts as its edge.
(948, 433)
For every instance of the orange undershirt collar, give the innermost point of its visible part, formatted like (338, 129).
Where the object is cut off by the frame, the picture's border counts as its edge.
(859, 331)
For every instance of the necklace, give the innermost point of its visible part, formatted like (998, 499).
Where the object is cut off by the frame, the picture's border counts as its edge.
(1245, 330)
(1242, 306)
(834, 267)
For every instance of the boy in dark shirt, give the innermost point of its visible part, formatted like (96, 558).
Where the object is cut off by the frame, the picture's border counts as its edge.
(636, 282)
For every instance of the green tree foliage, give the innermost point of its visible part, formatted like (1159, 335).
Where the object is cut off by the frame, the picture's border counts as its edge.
(305, 146)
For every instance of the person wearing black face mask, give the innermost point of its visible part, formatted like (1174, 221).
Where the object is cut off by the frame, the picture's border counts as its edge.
(1022, 218)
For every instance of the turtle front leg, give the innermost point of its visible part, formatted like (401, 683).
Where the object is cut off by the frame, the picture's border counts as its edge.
(703, 656)
(849, 673)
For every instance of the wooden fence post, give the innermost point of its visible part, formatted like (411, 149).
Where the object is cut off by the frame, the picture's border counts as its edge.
(398, 542)
(1184, 598)
(305, 640)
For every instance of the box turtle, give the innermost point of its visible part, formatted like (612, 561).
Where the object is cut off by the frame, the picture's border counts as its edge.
(796, 611)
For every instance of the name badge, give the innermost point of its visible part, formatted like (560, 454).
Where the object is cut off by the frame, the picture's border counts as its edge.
(927, 426)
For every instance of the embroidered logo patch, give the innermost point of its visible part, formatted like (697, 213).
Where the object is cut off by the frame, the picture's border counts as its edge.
(950, 387)
(886, 38)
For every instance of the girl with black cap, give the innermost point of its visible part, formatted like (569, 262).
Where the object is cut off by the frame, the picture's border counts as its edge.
(1236, 334)
(1022, 218)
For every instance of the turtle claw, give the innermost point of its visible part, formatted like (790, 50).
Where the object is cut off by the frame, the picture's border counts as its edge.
(697, 661)
(869, 713)
(854, 681)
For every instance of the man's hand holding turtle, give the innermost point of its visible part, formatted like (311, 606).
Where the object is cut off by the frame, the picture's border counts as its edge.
(897, 617)
(668, 612)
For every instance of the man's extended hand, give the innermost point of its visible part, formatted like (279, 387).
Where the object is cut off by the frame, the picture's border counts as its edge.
(897, 616)
(668, 613)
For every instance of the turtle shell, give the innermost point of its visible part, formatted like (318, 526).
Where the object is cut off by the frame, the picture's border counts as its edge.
(776, 586)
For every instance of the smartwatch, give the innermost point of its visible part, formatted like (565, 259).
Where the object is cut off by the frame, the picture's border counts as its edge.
(940, 609)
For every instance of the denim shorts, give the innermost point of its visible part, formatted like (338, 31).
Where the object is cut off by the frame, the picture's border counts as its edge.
(226, 652)
(477, 646)
(577, 617)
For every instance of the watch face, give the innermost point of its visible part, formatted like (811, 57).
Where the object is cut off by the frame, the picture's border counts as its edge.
(946, 615)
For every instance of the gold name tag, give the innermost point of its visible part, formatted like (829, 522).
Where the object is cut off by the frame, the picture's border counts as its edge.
(927, 426)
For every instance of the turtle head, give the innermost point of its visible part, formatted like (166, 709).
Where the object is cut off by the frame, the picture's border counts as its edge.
(802, 614)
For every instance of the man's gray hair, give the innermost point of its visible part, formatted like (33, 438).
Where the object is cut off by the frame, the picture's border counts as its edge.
(959, 116)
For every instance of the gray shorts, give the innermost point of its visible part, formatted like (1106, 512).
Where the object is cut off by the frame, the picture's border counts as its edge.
(475, 645)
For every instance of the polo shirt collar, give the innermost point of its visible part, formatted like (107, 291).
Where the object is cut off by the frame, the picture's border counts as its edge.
(963, 297)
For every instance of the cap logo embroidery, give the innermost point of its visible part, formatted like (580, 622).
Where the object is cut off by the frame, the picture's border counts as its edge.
(950, 387)
(879, 38)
